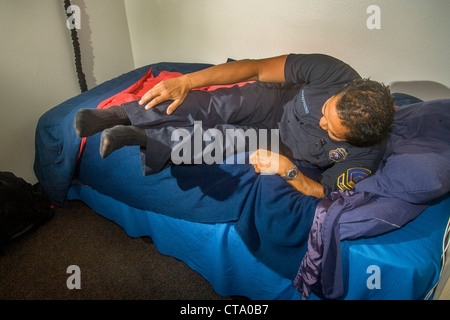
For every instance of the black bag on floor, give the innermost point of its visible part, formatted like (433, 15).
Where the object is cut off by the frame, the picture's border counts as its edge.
(22, 208)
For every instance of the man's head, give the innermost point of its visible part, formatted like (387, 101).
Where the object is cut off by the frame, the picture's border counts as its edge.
(360, 113)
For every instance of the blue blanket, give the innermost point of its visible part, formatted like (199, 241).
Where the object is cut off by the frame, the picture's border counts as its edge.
(273, 219)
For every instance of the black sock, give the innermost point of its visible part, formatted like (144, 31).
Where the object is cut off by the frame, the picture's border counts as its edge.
(90, 121)
(120, 136)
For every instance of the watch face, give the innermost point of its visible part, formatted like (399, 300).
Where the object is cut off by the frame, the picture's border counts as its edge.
(291, 174)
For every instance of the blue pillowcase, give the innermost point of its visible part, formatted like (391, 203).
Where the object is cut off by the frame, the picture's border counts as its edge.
(416, 165)
(416, 178)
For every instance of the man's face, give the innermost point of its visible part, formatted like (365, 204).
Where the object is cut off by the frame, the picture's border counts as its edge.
(330, 121)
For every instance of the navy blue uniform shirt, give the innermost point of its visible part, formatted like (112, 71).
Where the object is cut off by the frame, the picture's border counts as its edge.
(318, 78)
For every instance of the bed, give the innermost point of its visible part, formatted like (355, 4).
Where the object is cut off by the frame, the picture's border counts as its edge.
(254, 236)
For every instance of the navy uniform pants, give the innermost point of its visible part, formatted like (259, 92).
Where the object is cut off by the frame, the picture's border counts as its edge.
(255, 106)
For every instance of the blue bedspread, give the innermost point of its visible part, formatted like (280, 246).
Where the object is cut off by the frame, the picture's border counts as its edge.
(273, 219)
(270, 216)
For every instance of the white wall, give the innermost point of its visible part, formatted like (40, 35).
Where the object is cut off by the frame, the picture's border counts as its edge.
(37, 66)
(36, 72)
(413, 43)
(104, 40)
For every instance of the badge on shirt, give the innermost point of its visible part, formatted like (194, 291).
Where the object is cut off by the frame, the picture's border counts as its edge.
(337, 154)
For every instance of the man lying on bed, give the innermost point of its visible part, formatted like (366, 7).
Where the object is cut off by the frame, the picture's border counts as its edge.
(326, 115)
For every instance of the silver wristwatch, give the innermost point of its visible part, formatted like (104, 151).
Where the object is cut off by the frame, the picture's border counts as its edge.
(291, 174)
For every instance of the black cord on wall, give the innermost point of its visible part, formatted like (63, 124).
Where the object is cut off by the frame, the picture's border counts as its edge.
(77, 52)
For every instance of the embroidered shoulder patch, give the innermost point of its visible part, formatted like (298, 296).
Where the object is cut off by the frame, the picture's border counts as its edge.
(352, 176)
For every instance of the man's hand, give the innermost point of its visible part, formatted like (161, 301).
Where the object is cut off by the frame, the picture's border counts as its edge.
(175, 89)
(267, 162)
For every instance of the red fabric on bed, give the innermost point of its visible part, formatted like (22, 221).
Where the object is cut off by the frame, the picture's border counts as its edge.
(137, 90)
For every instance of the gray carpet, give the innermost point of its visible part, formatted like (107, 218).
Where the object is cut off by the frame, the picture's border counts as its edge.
(112, 264)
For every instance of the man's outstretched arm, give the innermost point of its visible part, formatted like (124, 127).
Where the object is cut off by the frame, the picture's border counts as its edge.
(176, 89)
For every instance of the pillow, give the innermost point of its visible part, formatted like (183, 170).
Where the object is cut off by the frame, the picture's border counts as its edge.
(416, 165)
(377, 216)
(416, 178)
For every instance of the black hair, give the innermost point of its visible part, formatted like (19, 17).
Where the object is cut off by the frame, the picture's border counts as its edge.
(366, 108)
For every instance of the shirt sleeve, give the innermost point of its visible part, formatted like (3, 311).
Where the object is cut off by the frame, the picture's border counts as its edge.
(318, 70)
(345, 174)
